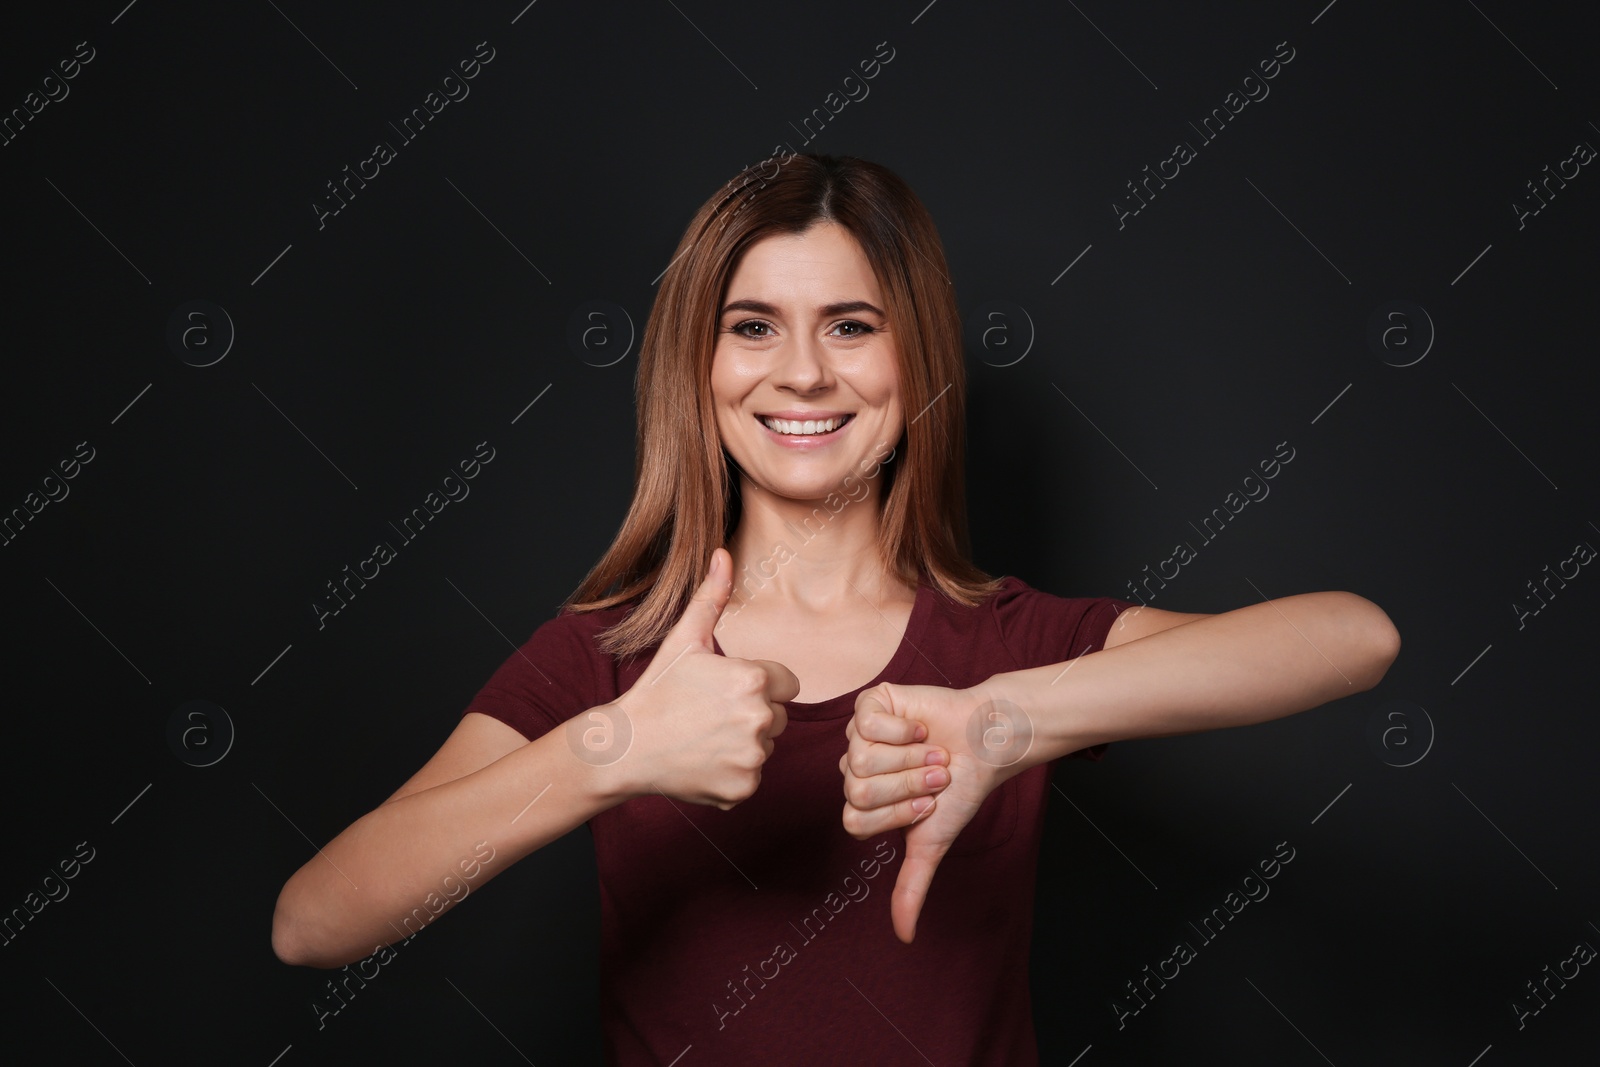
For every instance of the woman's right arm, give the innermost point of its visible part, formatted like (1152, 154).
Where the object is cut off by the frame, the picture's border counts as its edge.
(697, 727)
(403, 860)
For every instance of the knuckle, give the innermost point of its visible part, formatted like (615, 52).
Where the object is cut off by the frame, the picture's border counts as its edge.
(858, 761)
(757, 723)
(852, 823)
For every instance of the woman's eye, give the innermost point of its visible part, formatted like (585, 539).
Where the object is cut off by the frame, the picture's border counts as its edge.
(758, 329)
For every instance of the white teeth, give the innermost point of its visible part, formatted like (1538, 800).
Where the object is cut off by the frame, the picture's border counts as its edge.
(809, 427)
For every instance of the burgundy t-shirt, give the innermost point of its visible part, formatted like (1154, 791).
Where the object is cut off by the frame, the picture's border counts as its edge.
(762, 934)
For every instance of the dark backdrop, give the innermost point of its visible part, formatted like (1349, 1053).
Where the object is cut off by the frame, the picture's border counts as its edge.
(1353, 266)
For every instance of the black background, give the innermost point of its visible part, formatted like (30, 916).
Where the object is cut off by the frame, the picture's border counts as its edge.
(371, 355)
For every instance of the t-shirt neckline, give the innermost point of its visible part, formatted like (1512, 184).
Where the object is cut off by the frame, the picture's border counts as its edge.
(844, 705)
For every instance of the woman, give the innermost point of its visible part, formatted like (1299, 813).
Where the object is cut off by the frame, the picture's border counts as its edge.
(788, 603)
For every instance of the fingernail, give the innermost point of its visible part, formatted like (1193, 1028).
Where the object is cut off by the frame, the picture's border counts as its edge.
(936, 777)
(921, 734)
(921, 804)
(936, 756)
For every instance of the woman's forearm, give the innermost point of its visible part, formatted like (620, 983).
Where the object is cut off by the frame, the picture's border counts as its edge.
(1244, 666)
(411, 859)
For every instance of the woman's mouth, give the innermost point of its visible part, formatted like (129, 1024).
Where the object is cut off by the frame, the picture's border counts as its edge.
(804, 427)
(805, 435)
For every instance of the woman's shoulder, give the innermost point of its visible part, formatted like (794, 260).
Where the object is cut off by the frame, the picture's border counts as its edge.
(1012, 587)
(1008, 589)
(1039, 626)
(1015, 598)
(578, 632)
(590, 621)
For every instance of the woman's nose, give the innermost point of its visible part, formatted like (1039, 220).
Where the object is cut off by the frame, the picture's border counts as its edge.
(802, 364)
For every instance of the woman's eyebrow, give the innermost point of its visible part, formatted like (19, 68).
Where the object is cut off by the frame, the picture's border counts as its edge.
(844, 307)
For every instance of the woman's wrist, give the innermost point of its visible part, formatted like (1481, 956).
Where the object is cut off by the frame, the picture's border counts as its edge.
(1025, 718)
(600, 742)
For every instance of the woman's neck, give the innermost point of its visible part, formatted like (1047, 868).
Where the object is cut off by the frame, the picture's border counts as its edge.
(809, 556)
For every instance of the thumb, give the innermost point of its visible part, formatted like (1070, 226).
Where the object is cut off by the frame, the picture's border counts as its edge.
(884, 697)
(911, 886)
(875, 699)
(898, 728)
(699, 619)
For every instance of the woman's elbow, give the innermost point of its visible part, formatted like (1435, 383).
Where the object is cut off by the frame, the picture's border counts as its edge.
(1379, 640)
(288, 940)
(291, 941)
(285, 945)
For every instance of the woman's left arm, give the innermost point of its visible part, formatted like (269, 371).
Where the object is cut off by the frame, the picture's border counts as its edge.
(1162, 673)
(1159, 673)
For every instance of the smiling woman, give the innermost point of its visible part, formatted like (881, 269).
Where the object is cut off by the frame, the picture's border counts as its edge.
(823, 294)
(805, 335)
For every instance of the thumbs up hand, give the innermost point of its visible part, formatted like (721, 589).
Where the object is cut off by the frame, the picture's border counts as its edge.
(887, 768)
(701, 725)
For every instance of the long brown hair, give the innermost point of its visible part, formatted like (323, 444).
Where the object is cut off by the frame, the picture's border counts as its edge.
(685, 503)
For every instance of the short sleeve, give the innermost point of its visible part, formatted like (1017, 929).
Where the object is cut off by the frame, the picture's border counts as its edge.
(551, 678)
(1040, 629)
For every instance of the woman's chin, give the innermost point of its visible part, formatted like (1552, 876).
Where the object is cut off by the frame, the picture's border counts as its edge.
(805, 494)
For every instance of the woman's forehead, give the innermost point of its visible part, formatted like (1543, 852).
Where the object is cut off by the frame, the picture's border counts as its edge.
(824, 265)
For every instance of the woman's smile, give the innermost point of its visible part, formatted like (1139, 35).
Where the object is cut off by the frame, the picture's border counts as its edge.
(797, 430)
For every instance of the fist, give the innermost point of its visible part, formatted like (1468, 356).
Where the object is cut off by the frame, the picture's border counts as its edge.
(924, 757)
(703, 724)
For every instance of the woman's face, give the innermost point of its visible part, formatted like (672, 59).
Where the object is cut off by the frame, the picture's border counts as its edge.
(802, 336)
